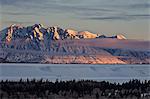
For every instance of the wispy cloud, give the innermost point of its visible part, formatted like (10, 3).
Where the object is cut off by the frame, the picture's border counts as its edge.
(85, 9)
(106, 18)
(18, 2)
(19, 13)
(140, 15)
(145, 5)
(120, 17)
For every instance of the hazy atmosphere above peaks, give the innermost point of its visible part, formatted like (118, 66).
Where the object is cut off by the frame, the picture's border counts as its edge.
(128, 17)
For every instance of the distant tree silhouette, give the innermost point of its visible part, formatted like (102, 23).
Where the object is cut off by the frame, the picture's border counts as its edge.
(44, 89)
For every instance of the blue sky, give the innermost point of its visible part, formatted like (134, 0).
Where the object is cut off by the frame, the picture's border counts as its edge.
(128, 17)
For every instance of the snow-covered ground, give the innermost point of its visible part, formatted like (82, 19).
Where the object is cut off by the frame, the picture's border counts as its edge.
(114, 73)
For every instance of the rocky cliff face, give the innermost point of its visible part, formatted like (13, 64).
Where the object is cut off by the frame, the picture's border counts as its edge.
(55, 45)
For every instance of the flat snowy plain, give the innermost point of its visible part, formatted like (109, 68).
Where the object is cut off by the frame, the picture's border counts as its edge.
(113, 73)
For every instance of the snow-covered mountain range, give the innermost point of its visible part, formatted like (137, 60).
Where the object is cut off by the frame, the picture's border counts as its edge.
(56, 45)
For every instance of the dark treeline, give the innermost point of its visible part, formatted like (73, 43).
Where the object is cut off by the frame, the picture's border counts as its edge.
(84, 89)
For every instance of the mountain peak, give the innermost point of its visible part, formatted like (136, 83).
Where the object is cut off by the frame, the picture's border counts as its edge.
(38, 31)
(38, 26)
(120, 36)
(87, 34)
